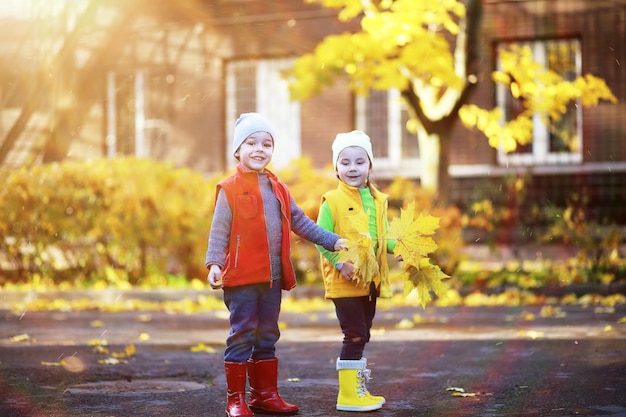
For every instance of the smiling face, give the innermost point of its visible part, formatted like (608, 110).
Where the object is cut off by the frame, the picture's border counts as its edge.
(353, 166)
(255, 153)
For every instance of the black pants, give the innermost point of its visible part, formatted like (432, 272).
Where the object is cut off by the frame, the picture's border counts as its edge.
(356, 315)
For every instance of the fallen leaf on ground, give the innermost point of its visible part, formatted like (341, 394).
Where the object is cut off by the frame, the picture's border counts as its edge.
(532, 334)
(20, 338)
(470, 394)
(111, 361)
(201, 347)
(43, 363)
(99, 349)
(460, 392)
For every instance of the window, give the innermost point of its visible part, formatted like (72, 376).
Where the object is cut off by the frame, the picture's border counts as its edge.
(553, 143)
(383, 117)
(258, 86)
(138, 113)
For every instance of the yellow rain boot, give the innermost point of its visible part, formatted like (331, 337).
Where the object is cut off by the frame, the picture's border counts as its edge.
(353, 395)
(366, 373)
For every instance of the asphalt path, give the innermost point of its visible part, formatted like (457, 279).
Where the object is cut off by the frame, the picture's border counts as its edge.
(443, 361)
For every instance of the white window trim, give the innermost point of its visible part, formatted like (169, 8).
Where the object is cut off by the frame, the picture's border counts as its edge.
(541, 137)
(140, 117)
(394, 164)
(273, 102)
(111, 126)
(142, 146)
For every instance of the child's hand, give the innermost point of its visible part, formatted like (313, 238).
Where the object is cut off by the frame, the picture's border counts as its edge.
(340, 244)
(347, 270)
(215, 277)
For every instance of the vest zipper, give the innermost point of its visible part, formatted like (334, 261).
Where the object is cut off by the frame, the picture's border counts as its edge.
(237, 251)
(269, 257)
(282, 213)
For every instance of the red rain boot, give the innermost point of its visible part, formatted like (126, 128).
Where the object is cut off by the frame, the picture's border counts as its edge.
(264, 397)
(236, 381)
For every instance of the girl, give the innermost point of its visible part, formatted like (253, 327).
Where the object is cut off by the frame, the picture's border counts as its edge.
(355, 305)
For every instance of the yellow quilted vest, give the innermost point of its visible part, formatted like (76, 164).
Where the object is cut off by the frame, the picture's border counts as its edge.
(344, 202)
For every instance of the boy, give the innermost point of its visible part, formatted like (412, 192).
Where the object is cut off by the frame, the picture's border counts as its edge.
(248, 257)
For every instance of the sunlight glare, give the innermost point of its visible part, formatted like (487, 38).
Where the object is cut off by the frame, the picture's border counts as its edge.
(32, 9)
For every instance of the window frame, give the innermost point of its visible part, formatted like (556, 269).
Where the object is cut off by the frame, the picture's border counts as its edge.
(146, 133)
(394, 164)
(272, 100)
(540, 154)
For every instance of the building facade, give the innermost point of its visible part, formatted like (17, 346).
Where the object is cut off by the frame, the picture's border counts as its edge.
(167, 80)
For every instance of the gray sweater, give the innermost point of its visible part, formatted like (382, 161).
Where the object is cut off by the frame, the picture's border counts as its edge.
(300, 225)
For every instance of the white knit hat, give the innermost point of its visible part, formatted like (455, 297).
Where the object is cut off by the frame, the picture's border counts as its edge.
(247, 124)
(354, 138)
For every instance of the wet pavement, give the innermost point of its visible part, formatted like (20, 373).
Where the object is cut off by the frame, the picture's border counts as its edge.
(509, 361)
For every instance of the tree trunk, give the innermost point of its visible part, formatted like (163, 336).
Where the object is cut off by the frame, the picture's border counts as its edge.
(430, 154)
(434, 147)
(60, 138)
(433, 134)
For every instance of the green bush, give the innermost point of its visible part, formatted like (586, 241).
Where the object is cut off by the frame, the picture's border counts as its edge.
(131, 222)
(502, 215)
(449, 236)
(125, 221)
(307, 185)
(111, 219)
(597, 243)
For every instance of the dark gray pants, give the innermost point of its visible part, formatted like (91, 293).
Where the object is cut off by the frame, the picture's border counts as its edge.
(356, 315)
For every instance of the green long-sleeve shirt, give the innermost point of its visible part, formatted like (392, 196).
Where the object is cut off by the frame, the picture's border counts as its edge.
(325, 220)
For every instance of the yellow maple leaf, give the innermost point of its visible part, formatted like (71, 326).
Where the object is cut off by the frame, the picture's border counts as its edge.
(201, 347)
(360, 250)
(361, 254)
(414, 242)
(423, 280)
(413, 236)
(111, 361)
(44, 363)
(100, 350)
(130, 349)
(24, 337)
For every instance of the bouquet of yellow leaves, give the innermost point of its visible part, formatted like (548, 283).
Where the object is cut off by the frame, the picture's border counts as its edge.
(414, 242)
(361, 252)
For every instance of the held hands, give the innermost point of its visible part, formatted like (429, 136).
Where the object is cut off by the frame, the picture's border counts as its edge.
(340, 244)
(347, 271)
(215, 277)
